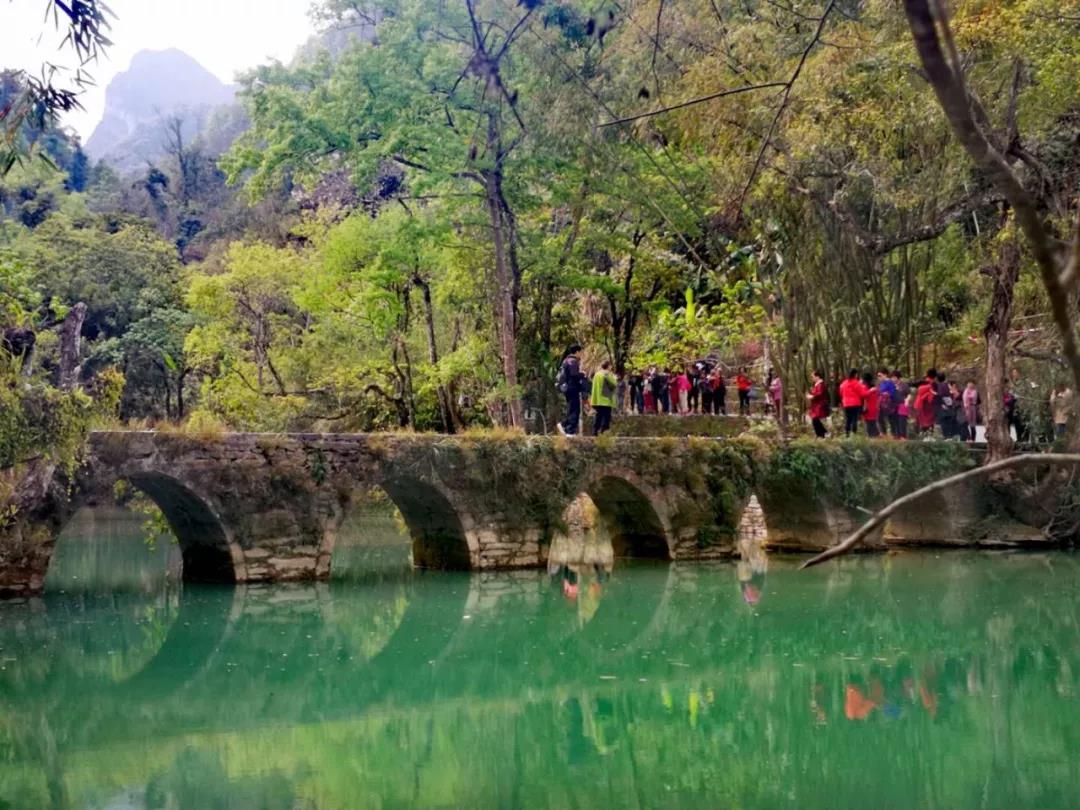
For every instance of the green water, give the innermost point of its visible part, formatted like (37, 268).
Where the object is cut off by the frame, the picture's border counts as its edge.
(921, 681)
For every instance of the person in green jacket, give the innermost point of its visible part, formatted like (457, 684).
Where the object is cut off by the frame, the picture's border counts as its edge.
(604, 387)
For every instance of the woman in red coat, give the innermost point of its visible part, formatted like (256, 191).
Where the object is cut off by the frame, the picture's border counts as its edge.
(819, 404)
(744, 384)
(851, 399)
(924, 402)
(871, 410)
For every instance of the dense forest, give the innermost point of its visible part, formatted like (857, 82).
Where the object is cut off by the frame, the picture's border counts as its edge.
(405, 226)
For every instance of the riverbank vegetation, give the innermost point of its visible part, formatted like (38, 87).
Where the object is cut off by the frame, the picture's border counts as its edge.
(429, 203)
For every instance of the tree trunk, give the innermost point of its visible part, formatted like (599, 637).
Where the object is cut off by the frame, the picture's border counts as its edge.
(446, 404)
(180, 393)
(70, 343)
(998, 323)
(1060, 269)
(504, 290)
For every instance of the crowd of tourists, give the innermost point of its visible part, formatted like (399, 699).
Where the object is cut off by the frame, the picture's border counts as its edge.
(885, 404)
(889, 405)
(700, 387)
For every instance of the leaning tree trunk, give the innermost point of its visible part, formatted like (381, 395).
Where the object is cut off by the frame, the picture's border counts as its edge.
(998, 323)
(70, 342)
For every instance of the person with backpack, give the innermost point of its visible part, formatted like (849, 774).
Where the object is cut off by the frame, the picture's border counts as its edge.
(636, 383)
(661, 397)
(819, 404)
(604, 389)
(695, 374)
(887, 403)
(903, 407)
(851, 400)
(945, 408)
(570, 382)
(707, 390)
(719, 392)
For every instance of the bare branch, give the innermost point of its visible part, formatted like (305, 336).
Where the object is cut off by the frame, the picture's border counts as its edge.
(784, 103)
(720, 94)
(948, 85)
(1054, 459)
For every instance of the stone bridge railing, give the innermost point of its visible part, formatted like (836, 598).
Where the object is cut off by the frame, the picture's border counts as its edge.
(268, 507)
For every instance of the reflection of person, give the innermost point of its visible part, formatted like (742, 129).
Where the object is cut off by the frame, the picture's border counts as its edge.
(751, 578)
(857, 706)
(570, 583)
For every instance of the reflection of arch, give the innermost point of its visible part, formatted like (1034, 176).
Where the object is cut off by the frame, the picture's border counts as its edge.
(208, 554)
(629, 518)
(629, 611)
(438, 538)
(206, 618)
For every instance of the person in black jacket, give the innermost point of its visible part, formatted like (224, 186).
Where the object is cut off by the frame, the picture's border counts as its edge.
(570, 383)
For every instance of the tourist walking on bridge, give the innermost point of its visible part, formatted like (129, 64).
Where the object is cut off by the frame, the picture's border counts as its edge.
(776, 396)
(571, 383)
(871, 407)
(744, 384)
(851, 400)
(887, 403)
(924, 403)
(719, 392)
(819, 404)
(903, 405)
(1061, 409)
(604, 388)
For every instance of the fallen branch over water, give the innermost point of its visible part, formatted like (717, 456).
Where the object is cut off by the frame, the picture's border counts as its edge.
(878, 519)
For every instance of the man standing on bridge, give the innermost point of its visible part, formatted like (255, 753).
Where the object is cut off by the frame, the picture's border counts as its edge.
(569, 382)
(603, 398)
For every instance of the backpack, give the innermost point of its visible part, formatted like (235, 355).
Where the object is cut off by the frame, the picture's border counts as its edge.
(887, 401)
(607, 387)
(560, 380)
(900, 393)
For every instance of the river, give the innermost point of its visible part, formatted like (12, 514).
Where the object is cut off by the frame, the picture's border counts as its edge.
(921, 680)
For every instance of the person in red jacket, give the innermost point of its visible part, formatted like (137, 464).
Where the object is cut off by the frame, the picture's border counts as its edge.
(871, 410)
(924, 403)
(851, 400)
(819, 404)
(744, 384)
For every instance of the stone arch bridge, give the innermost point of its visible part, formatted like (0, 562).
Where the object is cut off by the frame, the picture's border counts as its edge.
(268, 507)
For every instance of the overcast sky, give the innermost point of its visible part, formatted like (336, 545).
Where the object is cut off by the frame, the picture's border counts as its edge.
(224, 36)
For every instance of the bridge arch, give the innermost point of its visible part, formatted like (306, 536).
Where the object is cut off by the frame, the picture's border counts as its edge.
(632, 519)
(208, 551)
(438, 536)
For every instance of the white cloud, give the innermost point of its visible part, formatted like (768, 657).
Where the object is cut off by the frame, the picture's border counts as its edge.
(225, 36)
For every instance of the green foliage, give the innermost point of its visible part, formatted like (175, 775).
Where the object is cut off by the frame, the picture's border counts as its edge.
(863, 473)
(41, 422)
(855, 237)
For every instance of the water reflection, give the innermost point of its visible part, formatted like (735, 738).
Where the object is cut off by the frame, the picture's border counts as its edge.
(908, 681)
